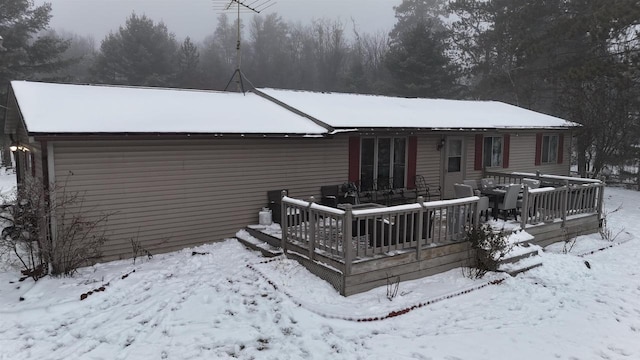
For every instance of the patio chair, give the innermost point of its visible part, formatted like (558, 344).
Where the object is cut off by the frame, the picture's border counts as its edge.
(464, 190)
(509, 203)
(274, 203)
(487, 183)
(427, 190)
(474, 186)
(329, 195)
(349, 193)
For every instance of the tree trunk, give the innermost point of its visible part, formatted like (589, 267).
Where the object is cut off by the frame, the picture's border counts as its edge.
(581, 147)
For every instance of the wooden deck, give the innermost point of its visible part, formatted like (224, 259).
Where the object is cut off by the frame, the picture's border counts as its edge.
(405, 242)
(369, 273)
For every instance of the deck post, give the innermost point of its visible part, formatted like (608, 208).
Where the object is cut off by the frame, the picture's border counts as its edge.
(476, 214)
(524, 211)
(600, 200)
(420, 225)
(312, 228)
(347, 247)
(283, 222)
(565, 203)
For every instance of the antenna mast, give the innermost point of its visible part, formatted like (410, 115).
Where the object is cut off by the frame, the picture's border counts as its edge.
(242, 6)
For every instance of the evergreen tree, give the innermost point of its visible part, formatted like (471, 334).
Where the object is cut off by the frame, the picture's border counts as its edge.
(25, 54)
(576, 59)
(266, 55)
(189, 74)
(599, 78)
(219, 54)
(418, 56)
(140, 53)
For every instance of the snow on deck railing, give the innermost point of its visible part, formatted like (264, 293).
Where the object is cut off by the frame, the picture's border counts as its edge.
(549, 204)
(375, 230)
(557, 177)
(516, 177)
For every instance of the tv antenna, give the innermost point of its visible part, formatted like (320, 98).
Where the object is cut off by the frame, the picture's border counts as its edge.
(241, 6)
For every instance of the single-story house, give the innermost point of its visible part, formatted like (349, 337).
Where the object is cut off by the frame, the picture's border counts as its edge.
(179, 168)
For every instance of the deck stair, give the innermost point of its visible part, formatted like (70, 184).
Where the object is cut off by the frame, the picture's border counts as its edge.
(268, 245)
(523, 257)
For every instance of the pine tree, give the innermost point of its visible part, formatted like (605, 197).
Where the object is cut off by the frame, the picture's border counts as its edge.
(25, 54)
(189, 74)
(418, 56)
(140, 53)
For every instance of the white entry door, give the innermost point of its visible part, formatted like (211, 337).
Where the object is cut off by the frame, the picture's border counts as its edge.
(453, 164)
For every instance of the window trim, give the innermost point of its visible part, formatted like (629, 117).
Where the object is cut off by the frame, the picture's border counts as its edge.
(502, 151)
(551, 160)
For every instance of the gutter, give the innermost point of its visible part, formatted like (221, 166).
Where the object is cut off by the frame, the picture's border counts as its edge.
(45, 136)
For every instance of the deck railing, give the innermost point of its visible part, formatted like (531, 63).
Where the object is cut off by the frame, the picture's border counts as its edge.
(374, 231)
(549, 204)
(559, 197)
(545, 179)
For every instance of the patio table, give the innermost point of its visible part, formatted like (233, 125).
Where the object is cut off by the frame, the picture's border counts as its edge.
(495, 195)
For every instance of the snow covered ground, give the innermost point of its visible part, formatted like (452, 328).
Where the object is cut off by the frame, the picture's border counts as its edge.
(210, 304)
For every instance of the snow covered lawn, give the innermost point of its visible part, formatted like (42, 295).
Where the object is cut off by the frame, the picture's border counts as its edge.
(212, 305)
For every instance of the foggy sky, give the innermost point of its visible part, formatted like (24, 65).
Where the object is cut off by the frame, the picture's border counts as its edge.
(197, 18)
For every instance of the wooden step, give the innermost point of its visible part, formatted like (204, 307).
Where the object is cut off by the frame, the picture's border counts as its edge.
(526, 250)
(518, 267)
(255, 231)
(257, 244)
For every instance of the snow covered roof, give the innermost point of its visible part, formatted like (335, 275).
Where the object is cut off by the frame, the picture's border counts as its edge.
(341, 110)
(49, 108)
(65, 108)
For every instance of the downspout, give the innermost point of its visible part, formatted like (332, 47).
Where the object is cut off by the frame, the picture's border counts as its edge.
(49, 181)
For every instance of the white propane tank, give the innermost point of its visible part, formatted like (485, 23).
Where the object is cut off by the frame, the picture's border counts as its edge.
(264, 216)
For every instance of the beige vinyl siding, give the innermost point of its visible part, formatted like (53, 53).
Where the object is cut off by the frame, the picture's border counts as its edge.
(522, 155)
(428, 159)
(523, 152)
(175, 194)
(470, 173)
(36, 148)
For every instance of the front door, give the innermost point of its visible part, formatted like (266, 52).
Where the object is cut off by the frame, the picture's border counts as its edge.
(453, 164)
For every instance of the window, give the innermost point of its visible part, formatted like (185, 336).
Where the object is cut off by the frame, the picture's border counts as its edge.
(492, 151)
(454, 156)
(549, 149)
(383, 163)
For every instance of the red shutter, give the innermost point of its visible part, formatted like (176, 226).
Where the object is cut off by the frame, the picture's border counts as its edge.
(412, 157)
(506, 139)
(354, 159)
(538, 149)
(560, 148)
(478, 156)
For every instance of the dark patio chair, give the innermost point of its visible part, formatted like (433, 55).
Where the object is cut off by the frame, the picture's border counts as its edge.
(329, 195)
(427, 190)
(274, 202)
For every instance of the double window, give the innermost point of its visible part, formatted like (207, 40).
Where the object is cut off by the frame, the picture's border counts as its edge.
(549, 149)
(492, 151)
(383, 163)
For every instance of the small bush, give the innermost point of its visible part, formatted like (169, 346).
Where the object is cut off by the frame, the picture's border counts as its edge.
(74, 239)
(490, 247)
(606, 232)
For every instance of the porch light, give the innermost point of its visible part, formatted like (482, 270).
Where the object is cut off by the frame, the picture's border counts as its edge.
(440, 144)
